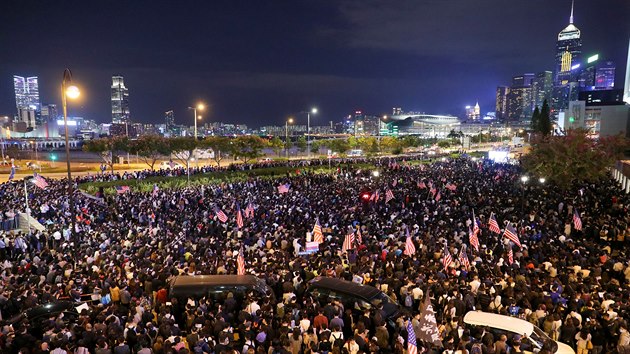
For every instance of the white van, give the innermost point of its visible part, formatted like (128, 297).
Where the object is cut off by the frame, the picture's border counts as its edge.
(531, 333)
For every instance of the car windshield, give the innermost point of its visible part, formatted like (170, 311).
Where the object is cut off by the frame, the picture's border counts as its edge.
(382, 298)
(540, 339)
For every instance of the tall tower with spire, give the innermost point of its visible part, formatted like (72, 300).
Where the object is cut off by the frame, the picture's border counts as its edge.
(568, 51)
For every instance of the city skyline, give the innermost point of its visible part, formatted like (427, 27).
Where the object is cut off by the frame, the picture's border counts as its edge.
(338, 57)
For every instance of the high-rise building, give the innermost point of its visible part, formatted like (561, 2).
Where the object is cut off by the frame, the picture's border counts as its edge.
(473, 112)
(49, 112)
(519, 99)
(120, 101)
(501, 106)
(26, 92)
(169, 117)
(568, 51)
(605, 75)
(542, 86)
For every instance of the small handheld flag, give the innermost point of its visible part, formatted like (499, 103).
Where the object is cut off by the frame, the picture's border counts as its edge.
(494, 225)
(122, 189)
(240, 262)
(577, 221)
(511, 234)
(221, 215)
(39, 181)
(318, 236)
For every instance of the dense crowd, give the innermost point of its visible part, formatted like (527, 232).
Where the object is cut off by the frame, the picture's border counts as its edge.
(573, 284)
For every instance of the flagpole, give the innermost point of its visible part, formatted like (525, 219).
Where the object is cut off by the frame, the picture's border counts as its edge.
(28, 211)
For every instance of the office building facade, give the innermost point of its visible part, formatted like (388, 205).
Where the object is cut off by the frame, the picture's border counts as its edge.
(169, 120)
(120, 101)
(501, 105)
(542, 86)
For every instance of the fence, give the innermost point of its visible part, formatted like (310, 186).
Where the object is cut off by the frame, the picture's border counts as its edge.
(621, 173)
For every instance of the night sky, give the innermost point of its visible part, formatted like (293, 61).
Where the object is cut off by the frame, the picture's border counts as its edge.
(257, 62)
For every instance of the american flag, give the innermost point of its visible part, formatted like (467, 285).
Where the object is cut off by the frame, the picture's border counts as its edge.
(39, 181)
(122, 189)
(433, 191)
(359, 237)
(155, 190)
(451, 186)
(412, 346)
(577, 222)
(510, 233)
(510, 256)
(221, 215)
(422, 185)
(283, 188)
(12, 174)
(249, 211)
(376, 196)
(348, 242)
(438, 197)
(494, 225)
(476, 229)
(410, 249)
(389, 196)
(240, 262)
(318, 236)
(239, 217)
(463, 258)
(474, 240)
(447, 259)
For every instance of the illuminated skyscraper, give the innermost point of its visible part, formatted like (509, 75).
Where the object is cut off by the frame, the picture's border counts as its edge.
(26, 92)
(542, 86)
(626, 88)
(120, 101)
(169, 118)
(501, 107)
(568, 52)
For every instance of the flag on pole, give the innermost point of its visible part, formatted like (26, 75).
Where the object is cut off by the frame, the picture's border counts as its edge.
(476, 229)
(389, 196)
(39, 181)
(428, 325)
(577, 222)
(463, 258)
(155, 190)
(318, 236)
(348, 242)
(412, 346)
(511, 234)
(494, 225)
(410, 248)
(283, 188)
(239, 217)
(422, 185)
(510, 256)
(249, 211)
(438, 197)
(12, 174)
(221, 215)
(474, 240)
(451, 186)
(447, 259)
(376, 196)
(122, 189)
(240, 262)
(359, 236)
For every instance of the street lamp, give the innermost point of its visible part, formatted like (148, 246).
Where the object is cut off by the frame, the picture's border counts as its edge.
(72, 92)
(524, 179)
(286, 136)
(200, 107)
(308, 129)
(542, 180)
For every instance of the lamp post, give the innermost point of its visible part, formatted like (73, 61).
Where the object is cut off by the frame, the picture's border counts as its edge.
(524, 180)
(68, 91)
(200, 107)
(286, 136)
(308, 129)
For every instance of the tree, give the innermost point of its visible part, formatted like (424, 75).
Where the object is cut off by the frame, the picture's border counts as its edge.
(182, 149)
(574, 158)
(315, 145)
(544, 121)
(220, 145)
(536, 120)
(302, 145)
(389, 143)
(249, 147)
(353, 142)
(149, 148)
(444, 144)
(108, 148)
(276, 145)
(339, 145)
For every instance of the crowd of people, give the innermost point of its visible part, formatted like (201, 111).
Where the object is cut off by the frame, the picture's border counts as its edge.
(573, 283)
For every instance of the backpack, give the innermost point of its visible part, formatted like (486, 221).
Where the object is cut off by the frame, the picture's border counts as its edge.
(476, 349)
(408, 300)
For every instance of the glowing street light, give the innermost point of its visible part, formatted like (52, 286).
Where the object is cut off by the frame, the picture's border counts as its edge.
(542, 180)
(201, 107)
(308, 129)
(524, 179)
(68, 91)
(376, 173)
(286, 136)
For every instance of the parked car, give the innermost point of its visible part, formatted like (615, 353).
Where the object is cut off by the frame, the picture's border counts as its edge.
(167, 165)
(353, 295)
(217, 286)
(512, 326)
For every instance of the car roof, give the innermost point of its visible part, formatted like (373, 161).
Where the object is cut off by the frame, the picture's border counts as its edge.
(506, 323)
(364, 291)
(192, 280)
